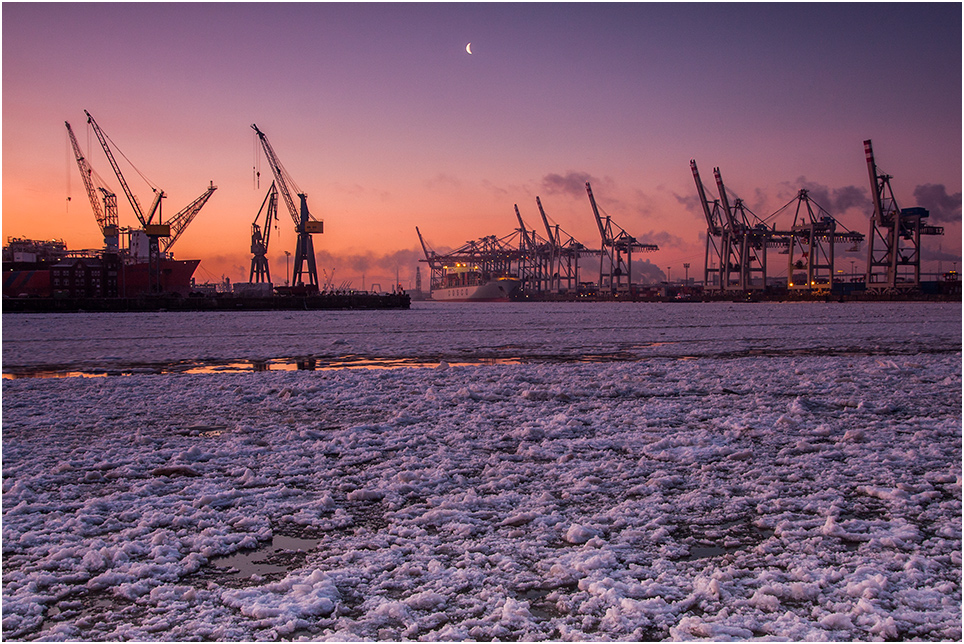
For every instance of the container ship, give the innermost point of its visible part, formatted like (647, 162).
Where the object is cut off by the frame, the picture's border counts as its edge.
(46, 268)
(464, 282)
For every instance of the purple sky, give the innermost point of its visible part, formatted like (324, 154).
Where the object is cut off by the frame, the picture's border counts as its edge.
(381, 116)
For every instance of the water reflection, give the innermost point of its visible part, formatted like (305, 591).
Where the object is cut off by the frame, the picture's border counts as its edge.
(306, 363)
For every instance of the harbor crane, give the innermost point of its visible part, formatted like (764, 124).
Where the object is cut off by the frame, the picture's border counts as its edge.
(715, 235)
(155, 231)
(744, 265)
(305, 224)
(812, 238)
(260, 273)
(564, 255)
(105, 215)
(535, 257)
(893, 249)
(617, 248)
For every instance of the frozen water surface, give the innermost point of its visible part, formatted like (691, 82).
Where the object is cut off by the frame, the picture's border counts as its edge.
(563, 472)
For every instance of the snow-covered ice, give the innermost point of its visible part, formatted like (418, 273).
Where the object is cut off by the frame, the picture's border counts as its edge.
(643, 472)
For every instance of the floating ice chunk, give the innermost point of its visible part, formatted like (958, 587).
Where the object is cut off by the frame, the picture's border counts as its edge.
(427, 600)
(515, 614)
(764, 600)
(579, 534)
(195, 454)
(837, 622)
(442, 366)
(365, 495)
(520, 518)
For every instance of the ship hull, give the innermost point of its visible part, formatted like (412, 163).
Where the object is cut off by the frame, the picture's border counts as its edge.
(498, 290)
(176, 274)
(132, 279)
(26, 283)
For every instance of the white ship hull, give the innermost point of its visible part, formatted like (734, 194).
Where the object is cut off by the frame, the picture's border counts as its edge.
(497, 290)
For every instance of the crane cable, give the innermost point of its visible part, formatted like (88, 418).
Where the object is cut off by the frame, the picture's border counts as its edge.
(256, 168)
(150, 183)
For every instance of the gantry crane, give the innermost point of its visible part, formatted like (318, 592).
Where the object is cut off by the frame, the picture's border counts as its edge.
(564, 255)
(893, 250)
(617, 247)
(106, 215)
(744, 248)
(812, 239)
(155, 231)
(260, 273)
(715, 236)
(536, 256)
(305, 224)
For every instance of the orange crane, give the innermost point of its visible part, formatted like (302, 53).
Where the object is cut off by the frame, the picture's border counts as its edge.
(305, 224)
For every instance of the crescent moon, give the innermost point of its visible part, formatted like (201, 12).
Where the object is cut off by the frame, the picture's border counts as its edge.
(468, 48)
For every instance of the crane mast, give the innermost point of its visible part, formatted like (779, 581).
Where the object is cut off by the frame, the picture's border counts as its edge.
(305, 224)
(260, 273)
(107, 216)
(894, 248)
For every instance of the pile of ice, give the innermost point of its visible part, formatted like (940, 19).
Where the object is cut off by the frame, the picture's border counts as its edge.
(812, 497)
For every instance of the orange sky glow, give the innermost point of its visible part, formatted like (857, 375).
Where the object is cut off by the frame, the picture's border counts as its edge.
(387, 123)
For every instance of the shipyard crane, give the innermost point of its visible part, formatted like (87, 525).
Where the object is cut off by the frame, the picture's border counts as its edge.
(617, 247)
(171, 231)
(893, 249)
(260, 272)
(106, 215)
(153, 231)
(305, 224)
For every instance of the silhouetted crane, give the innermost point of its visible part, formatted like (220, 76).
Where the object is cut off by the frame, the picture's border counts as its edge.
(305, 224)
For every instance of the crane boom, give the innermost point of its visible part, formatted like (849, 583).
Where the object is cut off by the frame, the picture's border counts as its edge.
(877, 185)
(86, 173)
(429, 254)
(553, 235)
(595, 211)
(117, 171)
(725, 201)
(281, 177)
(180, 221)
(712, 225)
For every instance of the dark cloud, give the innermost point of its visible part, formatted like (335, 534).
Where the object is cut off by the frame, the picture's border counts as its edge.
(838, 200)
(663, 239)
(944, 208)
(645, 272)
(572, 183)
(691, 203)
(851, 197)
(405, 260)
